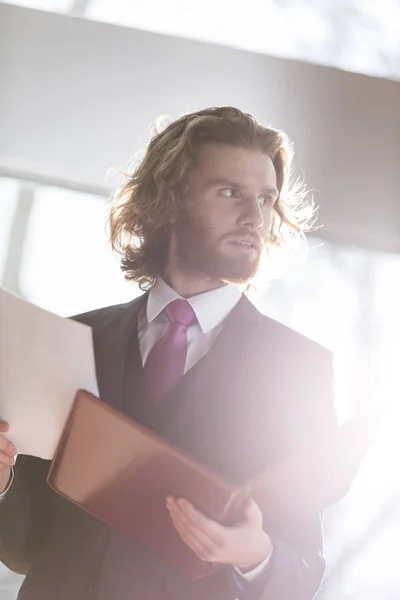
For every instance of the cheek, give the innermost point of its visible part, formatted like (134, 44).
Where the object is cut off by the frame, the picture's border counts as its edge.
(227, 217)
(269, 215)
(216, 220)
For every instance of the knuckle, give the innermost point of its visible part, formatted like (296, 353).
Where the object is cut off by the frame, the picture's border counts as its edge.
(7, 447)
(204, 556)
(219, 542)
(194, 518)
(5, 460)
(10, 449)
(191, 528)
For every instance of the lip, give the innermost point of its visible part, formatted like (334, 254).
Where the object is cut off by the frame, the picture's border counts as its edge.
(246, 243)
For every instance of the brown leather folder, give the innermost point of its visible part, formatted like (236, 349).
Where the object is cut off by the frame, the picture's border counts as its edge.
(121, 473)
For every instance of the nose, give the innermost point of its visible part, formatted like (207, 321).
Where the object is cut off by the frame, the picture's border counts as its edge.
(252, 216)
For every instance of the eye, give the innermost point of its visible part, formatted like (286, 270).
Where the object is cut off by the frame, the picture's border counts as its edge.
(266, 200)
(229, 193)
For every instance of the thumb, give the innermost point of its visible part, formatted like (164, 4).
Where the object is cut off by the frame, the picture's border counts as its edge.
(253, 514)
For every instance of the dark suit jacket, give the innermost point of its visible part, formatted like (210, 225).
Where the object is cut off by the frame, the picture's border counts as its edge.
(261, 392)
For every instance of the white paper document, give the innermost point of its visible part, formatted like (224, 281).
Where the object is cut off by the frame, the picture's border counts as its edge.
(44, 360)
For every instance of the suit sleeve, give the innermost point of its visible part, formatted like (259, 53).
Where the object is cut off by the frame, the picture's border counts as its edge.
(24, 511)
(297, 565)
(26, 507)
(296, 568)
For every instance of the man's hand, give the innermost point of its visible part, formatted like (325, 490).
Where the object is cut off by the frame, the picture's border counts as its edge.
(245, 545)
(7, 457)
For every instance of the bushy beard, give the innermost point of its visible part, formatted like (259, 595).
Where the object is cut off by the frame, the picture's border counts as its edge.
(198, 252)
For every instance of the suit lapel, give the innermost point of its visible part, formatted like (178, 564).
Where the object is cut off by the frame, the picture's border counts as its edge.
(111, 339)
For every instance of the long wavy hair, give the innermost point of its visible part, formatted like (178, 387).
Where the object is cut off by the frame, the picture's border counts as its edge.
(153, 197)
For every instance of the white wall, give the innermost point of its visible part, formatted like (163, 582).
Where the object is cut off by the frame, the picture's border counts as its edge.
(77, 97)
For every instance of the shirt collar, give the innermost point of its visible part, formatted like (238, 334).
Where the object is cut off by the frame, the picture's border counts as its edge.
(211, 308)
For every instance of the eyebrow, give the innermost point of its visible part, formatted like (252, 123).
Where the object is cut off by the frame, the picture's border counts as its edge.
(234, 184)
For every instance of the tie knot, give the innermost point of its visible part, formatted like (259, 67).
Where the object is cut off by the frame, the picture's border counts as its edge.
(180, 311)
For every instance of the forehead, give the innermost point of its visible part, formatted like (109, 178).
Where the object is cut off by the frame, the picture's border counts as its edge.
(219, 161)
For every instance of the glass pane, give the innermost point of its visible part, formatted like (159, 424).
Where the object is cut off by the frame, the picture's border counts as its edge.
(68, 266)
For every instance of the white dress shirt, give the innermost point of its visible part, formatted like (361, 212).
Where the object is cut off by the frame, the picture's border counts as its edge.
(211, 309)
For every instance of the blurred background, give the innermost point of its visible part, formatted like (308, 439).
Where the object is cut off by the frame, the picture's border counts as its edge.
(82, 82)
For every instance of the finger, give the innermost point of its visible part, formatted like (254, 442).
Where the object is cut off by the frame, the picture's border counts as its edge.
(199, 521)
(202, 551)
(185, 526)
(189, 539)
(184, 512)
(3, 426)
(195, 530)
(253, 515)
(6, 461)
(192, 532)
(205, 548)
(7, 447)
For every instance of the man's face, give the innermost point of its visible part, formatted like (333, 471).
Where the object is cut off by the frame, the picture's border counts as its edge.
(228, 212)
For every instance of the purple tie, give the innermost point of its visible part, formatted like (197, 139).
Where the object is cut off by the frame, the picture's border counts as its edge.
(166, 362)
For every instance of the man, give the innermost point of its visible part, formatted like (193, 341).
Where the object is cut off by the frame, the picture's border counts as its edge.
(195, 361)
